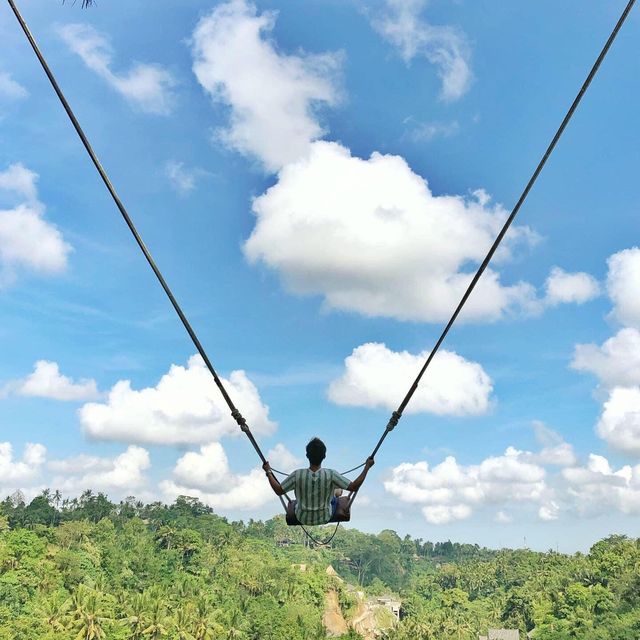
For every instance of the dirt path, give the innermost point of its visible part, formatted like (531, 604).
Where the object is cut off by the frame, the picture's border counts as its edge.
(333, 620)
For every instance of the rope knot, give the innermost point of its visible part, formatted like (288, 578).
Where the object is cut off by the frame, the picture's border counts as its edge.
(393, 420)
(240, 419)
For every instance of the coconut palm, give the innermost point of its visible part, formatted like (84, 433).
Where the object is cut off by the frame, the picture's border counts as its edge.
(53, 611)
(183, 624)
(89, 616)
(136, 620)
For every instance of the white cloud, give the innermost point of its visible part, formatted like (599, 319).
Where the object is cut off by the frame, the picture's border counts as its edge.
(619, 423)
(185, 407)
(443, 514)
(281, 458)
(555, 451)
(427, 131)
(563, 287)
(181, 178)
(371, 237)
(11, 89)
(15, 472)
(549, 512)
(272, 96)
(46, 381)
(502, 517)
(79, 464)
(451, 491)
(597, 488)
(206, 476)
(123, 473)
(17, 179)
(27, 241)
(375, 376)
(444, 46)
(146, 86)
(615, 363)
(623, 286)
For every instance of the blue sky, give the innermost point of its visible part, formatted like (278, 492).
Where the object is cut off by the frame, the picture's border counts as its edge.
(317, 186)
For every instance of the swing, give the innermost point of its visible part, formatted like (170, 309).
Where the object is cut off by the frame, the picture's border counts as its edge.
(341, 514)
(343, 509)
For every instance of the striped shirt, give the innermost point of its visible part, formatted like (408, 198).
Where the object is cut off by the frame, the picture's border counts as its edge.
(314, 490)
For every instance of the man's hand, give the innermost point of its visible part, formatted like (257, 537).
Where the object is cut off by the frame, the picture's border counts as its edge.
(369, 463)
(267, 468)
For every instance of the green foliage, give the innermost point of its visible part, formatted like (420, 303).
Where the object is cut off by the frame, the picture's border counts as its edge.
(87, 569)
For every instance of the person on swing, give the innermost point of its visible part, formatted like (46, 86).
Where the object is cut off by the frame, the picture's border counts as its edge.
(316, 489)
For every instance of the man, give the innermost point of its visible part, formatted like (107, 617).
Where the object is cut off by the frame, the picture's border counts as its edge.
(314, 487)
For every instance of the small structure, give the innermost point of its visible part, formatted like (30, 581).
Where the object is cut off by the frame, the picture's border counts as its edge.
(284, 542)
(330, 571)
(391, 604)
(501, 634)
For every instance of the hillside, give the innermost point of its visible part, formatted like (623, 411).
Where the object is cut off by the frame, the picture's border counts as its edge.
(89, 569)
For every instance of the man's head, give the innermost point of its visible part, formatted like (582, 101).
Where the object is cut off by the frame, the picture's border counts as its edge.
(316, 451)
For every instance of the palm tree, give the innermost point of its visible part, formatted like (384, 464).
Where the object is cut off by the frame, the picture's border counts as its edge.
(233, 628)
(205, 628)
(52, 612)
(136, 620)
(183, 624)
(89, 615)
(157, 619)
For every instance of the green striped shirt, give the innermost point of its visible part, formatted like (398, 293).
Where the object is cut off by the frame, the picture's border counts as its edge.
(314, 490)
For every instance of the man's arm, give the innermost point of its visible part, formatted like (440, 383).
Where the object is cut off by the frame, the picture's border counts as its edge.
(273, 481)
(357, 483)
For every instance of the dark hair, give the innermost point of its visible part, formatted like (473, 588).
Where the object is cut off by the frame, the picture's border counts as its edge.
(316, 451)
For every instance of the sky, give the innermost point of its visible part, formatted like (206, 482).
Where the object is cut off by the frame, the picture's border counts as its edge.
(318, 183)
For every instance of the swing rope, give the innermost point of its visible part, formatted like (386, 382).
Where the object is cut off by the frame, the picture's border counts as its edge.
(397, 414)
(235, 413)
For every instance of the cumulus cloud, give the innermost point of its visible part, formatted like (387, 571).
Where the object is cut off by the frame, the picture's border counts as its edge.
(14, 472)
(10, 88)
(122, 473)
(596, 488)
(46, 381)
(446, 47)
(563, 287)
(375, 376)
(615, 363)
(273, 97)
(146, 86)
(450, 491)
(619, 423)
(185, 407)
(280, 457)
(623, 286)
(370, 236)
(27, 241)
(555, 451)
(206, 475)
(549, 512)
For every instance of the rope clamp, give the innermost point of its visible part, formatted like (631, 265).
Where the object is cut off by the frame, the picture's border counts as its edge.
(393, 420)
(242, 422)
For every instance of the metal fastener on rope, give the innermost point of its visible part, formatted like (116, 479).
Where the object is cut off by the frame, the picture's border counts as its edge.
(393, 420)
(242, 422)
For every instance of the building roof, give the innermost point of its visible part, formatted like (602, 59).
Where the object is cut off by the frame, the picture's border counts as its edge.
(503, 634)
